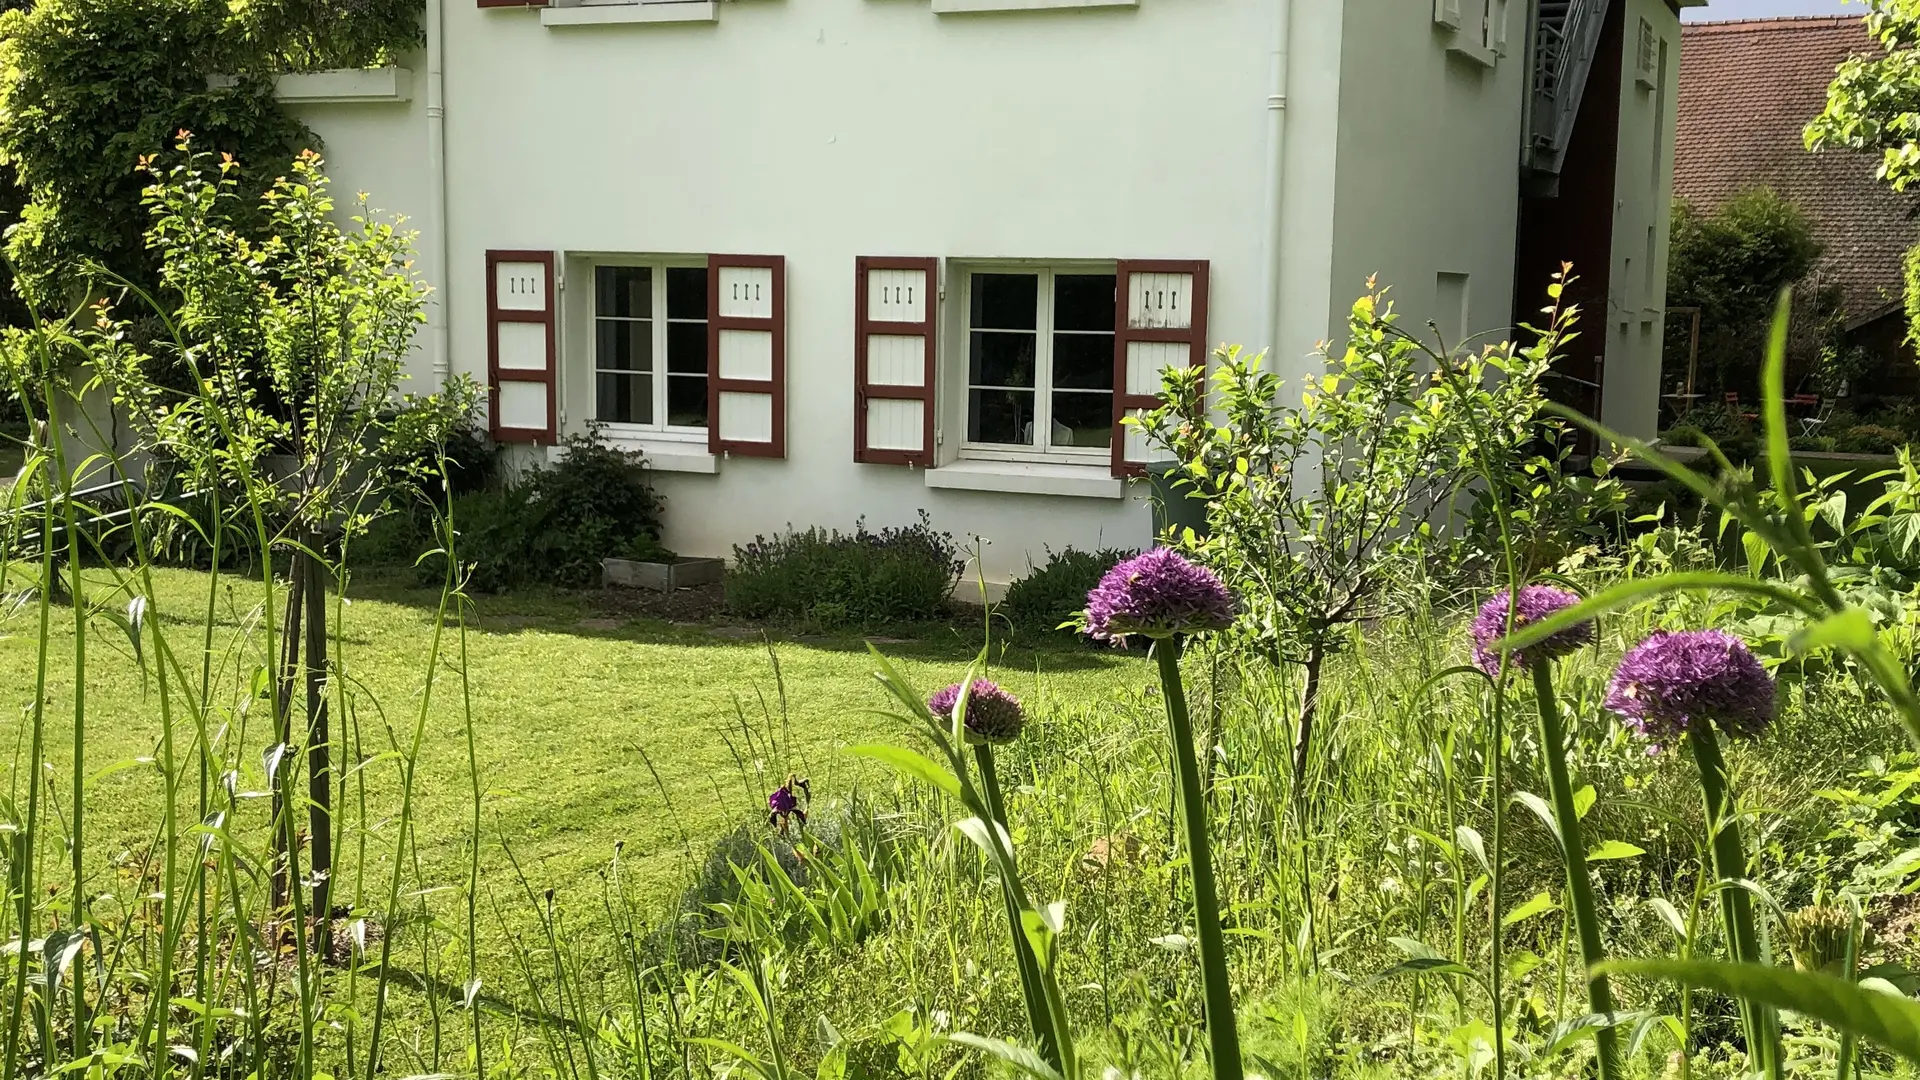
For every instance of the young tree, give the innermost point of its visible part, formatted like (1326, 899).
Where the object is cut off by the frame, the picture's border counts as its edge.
(296, 344)
(1317, 503)
(1731, 264)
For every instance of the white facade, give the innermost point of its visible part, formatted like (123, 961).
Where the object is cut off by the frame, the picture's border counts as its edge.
(1294, 148)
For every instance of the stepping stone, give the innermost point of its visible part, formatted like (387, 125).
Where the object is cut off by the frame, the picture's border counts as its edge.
(890, 640)
(602, 624)
(735, 633)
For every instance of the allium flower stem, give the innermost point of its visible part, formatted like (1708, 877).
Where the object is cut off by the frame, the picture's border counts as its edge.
(1223, 1038)
(1031, 989)
(1553, 744)
(1736, 906)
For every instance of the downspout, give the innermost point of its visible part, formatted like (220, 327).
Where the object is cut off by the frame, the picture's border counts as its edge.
(1276, 169)
(438, 347)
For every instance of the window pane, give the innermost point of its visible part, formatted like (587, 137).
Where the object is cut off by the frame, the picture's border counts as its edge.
(686, 292)
(1081, 419)
(1083, 301)
(687, 347)
(623, 398)
(1006, 302)
(1001, 360)
(687, 400)
(1083, 361)
(1000, 416)
(623, 346)
(623, 291)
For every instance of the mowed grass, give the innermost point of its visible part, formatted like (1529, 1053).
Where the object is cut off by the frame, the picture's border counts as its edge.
(565, 702)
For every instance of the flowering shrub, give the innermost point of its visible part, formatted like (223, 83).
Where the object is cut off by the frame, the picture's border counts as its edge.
(833, 578)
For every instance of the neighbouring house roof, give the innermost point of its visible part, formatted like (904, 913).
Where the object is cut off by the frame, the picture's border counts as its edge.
(1747, 89)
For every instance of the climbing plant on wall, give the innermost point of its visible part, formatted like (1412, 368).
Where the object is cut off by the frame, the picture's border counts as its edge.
(90, 86)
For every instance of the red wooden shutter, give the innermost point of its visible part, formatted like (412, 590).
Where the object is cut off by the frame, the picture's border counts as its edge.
(521, 299)
(747, 355)
(893, 349)
(1160, 320)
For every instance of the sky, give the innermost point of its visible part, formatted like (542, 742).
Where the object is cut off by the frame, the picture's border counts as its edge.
(1761, 9)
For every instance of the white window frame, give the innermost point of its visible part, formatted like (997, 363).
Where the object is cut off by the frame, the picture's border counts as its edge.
(661, 430)
(1043, 449)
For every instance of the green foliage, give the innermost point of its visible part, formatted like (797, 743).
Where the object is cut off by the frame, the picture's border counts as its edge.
(1731, 263)
(1870, 439)
(1873, 103)
(314, 35)
(1312, 507)
(300, 341)
(863, 578)
(1053, 594)
(91, 87)
(559, 521)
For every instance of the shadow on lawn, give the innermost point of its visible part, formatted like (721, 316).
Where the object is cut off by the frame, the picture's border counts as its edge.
(595, 615)
(452, 994)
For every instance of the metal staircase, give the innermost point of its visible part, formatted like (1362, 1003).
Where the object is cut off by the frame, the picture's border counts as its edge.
(1566, 33)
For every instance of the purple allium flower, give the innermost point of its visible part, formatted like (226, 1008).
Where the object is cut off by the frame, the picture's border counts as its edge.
(1678, 678)
(1536, 603)
(1158, 594)
(993, 715)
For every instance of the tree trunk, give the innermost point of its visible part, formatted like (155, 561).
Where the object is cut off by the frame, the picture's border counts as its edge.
(283, 829)
(319, 747)
(1303, 733)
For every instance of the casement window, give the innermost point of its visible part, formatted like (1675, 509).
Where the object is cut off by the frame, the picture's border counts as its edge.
(1039, 364)
(650, 346)
(661, 349)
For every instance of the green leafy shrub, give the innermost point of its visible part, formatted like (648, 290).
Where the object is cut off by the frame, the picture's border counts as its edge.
(900, 573)
(1731, 261)
(1870, 439)
(556, 525)
(92, 86)
(1053, 593)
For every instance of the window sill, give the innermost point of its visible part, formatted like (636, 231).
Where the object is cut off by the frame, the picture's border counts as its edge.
(653, 11)
(661, 454)
(1474, 52)
(962, 7)
(335, 86)
(1024, 478)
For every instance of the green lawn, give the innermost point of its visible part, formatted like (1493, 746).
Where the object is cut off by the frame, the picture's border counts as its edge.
(564, 700)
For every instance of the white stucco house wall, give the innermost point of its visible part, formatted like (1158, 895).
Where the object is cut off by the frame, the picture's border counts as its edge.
(849, 259)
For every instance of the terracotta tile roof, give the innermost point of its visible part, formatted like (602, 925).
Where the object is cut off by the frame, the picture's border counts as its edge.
(1747, 88)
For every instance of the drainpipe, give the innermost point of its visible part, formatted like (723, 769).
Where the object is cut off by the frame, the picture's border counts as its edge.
(438, 348)
(1276, 179)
